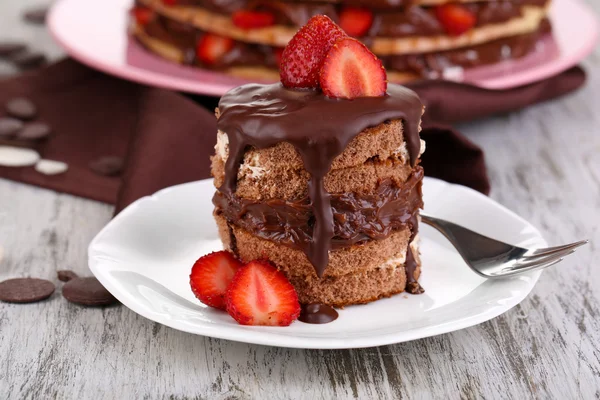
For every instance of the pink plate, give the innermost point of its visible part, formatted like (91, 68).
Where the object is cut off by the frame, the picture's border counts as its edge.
(95, 33)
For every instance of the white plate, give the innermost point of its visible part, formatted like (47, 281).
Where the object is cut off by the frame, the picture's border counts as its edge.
(95, 33)
(144, 257)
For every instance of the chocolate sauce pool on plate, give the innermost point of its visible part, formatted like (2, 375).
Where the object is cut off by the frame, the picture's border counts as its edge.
(317, 314)
(319, 128)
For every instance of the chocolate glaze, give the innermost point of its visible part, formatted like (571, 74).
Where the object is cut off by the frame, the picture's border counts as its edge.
(317, 314)
(356, 217)
(319, 128)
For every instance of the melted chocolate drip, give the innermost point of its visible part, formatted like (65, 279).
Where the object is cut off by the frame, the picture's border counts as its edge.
(410, 265)
(317, 314)
(264, 115)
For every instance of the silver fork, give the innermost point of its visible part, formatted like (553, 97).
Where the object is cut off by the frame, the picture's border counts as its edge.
(491, 258)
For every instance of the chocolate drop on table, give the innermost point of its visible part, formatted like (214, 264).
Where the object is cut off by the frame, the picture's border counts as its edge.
(9, 127)
(28, 60)
(9, 48)
(25, 290)
(36, 15)
(65, 275)
(21, 108)
(34, 131)
(87, 292)
(107, 166)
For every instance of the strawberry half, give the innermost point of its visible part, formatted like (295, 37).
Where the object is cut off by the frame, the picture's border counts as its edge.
(252, 19)
(456, 18)
(356, 21)
(142, 15)
(261, 295)
(169, 2)
(211, 48)
(351, 70)
(303, 56)
(211, 275)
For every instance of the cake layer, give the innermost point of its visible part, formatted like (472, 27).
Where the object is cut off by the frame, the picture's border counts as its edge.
(358, 274)
(261, 62)
(397, 37)
(277, 172)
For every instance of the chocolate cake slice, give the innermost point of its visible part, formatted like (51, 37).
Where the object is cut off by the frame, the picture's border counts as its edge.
(327, 189)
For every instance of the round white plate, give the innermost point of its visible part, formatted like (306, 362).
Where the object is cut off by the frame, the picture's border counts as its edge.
(95, 33)
(145, 254)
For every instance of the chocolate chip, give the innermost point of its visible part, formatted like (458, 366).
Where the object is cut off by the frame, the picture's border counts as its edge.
(25, 290)
(9, 127)
(107, 166)
(21, 108)
(34, 131)
(36, 15)
(66, 275)
(28, 59)
(11, 48)
(87, 292)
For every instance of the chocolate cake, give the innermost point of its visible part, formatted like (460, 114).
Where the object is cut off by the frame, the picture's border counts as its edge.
(328, 190)
(414, 39)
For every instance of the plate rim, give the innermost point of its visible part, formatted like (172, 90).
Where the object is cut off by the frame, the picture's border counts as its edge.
(162, 80)
(293, 341)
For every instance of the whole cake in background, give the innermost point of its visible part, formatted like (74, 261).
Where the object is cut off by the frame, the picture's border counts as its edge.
(413, 38)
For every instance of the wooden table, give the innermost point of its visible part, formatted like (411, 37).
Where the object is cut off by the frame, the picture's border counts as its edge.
(544, 163)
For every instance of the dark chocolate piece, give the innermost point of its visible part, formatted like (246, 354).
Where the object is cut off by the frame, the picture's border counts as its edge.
(22, 108)
(9, 127)
(28, 60)
(25, 290)
(66, 275)
(34, 131)
(264, 115)
(87, 292)
(36, 16)
(317, 314)
(9, 48)
(107, 166)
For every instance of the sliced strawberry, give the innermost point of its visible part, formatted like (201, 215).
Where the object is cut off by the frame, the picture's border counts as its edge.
(252, 19)
(303, 56)
(142, 15)
(356, 21)
(261, 295)
(169, 2)
(351, 70)
(456, 18)
(211, 48)
(211, 276)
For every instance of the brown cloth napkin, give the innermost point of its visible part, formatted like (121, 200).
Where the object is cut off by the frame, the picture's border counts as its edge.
(166, 138)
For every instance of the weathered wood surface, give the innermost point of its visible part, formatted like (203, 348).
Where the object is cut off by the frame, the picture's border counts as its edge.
(545, 165)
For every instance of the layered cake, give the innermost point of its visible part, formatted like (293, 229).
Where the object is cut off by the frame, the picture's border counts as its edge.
(325, 182)
(413, 38)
